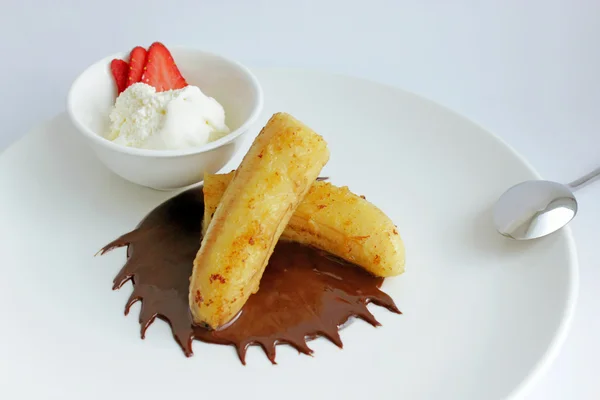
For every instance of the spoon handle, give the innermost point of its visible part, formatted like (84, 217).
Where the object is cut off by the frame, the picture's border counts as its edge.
(584, 180)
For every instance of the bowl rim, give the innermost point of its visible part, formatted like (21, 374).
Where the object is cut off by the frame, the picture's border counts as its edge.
(257, 109)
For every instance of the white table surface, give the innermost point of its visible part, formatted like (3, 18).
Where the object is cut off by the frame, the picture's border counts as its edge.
(528, 70)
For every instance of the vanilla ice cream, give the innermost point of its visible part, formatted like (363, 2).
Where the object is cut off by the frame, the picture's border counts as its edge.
(174, 119)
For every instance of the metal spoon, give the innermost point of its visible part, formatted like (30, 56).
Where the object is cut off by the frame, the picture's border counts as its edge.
(533, 209)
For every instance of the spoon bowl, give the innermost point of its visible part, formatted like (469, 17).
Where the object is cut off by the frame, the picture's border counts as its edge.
(533, 209)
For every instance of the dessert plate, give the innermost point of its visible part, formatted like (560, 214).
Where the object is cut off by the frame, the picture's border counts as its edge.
(482, 316)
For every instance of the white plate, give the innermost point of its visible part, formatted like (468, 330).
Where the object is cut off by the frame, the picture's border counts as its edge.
(483, 316)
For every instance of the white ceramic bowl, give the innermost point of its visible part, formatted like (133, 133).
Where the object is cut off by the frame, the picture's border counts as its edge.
(93, 94)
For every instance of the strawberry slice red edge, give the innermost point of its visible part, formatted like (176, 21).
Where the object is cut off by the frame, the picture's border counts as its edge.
(119, 69)
(161, 72)
(137, 62)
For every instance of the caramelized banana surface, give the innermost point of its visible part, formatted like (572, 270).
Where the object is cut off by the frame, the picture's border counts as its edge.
(274, 176)
(333, 219)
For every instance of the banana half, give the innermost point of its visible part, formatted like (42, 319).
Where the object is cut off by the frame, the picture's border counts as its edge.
(274, 176)
(333, 219)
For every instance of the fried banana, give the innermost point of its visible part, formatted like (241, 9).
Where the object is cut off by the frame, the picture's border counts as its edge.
(333, 219)
(282, 163)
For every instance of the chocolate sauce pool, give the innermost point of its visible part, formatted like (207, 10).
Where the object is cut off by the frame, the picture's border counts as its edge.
(304, 293)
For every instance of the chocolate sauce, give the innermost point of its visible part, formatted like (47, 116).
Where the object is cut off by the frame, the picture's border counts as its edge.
(304, 293)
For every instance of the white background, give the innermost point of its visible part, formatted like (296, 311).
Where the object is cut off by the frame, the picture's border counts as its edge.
(528, 70)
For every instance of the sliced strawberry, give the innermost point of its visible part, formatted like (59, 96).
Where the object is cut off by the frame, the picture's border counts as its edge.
(137, 62)
(119, 70)
(161, 71)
